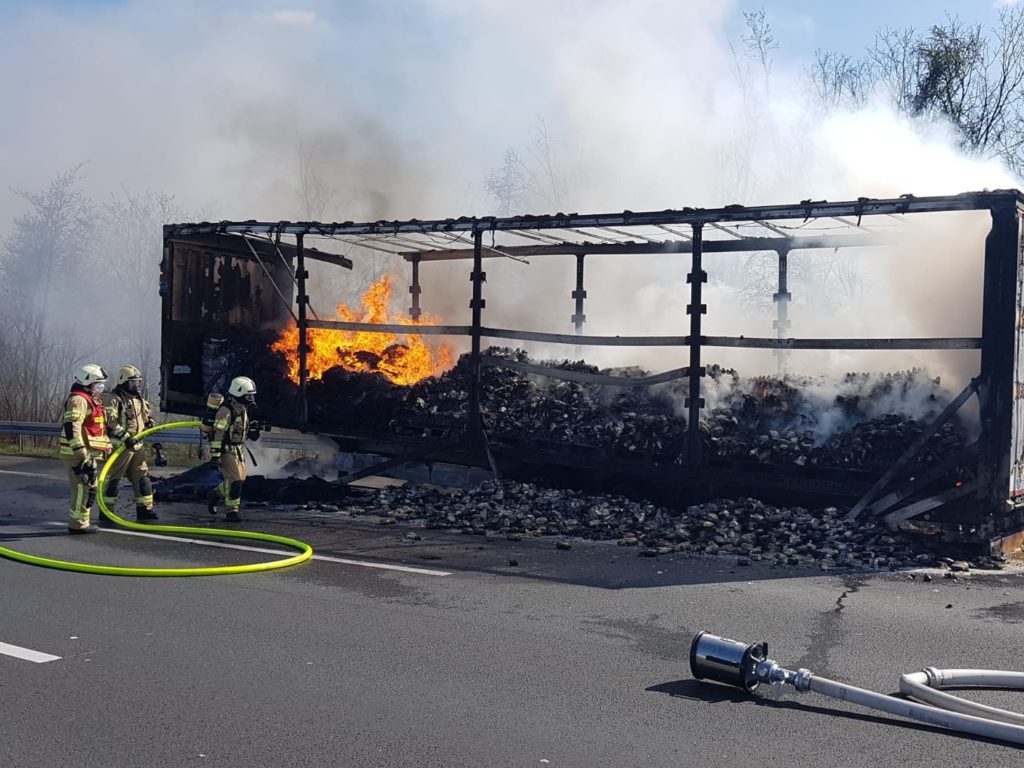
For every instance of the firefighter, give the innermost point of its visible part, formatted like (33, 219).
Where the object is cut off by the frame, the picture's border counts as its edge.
(128, 414)
(232, 425)
(83, 442)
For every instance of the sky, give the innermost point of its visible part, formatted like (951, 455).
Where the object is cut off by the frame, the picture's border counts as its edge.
(802, 26)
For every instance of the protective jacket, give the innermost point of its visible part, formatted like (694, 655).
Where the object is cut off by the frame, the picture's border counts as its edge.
(127, 415)
(230, 428)
(83, 428)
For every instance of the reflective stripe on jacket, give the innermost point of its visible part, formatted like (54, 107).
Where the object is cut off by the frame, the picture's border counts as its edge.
(229, 427)
(83, 425)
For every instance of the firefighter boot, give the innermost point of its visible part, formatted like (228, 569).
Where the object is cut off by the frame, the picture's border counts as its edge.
(233, 516)
(141, 513)
(212, 498)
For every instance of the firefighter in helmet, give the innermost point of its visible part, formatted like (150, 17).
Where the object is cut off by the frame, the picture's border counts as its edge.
(84, 442)
(128, 414)
(232, 426)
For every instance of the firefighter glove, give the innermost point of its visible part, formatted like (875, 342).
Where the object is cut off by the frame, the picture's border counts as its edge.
(130, 442)
(161, 460)
(87, 471)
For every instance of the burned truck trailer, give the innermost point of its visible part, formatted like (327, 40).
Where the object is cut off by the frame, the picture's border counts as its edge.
(230, 289)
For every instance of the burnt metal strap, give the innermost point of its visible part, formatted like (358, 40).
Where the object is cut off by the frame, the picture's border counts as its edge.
(923, 479)
(926, 505)
(750, 342)
(583, 377)
(913, 450)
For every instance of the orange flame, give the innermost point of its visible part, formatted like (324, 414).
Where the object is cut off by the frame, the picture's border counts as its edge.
(403, 358)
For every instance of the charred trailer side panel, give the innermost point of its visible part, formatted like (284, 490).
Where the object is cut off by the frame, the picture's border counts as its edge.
(1008, 413)
(225, 298)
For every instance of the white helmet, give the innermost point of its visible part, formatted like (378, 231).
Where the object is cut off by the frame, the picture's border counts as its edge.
(128, 373)
(242, 386)
(90, 374)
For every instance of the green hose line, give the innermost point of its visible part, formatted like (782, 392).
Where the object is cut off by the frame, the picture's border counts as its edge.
(305, 551)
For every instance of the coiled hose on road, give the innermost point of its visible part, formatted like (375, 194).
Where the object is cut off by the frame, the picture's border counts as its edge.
(305, 551)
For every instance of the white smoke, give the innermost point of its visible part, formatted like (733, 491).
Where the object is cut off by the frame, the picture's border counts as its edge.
(361, 111)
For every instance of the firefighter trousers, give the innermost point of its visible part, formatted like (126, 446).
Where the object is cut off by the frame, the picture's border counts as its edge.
(232, 466)
(130, 464)
(83, 494)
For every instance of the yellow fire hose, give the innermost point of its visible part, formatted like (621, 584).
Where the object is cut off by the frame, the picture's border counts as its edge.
(305, 551)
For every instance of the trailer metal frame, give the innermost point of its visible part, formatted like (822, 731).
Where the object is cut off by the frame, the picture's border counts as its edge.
(864, 222)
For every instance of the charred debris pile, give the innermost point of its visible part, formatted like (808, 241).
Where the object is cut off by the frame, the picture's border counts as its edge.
(747, 529)
(863, 421)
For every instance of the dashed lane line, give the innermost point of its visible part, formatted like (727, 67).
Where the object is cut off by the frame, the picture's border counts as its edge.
(26, 653)
(29, 474)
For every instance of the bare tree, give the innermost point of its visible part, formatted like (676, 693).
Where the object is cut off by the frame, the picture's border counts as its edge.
(840, 80)
(507, 184)
(892, 62)
(44, 305)
(536, 180)
(826, 277)
(316, 192)
(759, 42)
(961, 73)
(752, 62)
(130, 250)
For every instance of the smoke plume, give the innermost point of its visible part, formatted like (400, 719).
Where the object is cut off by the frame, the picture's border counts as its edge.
(364, 110)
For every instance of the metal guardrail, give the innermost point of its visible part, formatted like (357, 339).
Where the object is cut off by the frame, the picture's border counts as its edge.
(284, 441)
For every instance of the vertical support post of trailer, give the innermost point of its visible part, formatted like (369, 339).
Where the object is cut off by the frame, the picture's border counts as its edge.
(579, 295)
(303, 302)
(414, 288)
(166, 316)
(782, 298)
(695, 309)
(478, 277)
(999, 321)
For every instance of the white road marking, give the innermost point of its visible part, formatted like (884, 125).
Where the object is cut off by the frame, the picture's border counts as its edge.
(29, 474)
(26, 653)
(262, 550)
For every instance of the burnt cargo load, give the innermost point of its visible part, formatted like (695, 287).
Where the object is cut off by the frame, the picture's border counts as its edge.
(231, 290)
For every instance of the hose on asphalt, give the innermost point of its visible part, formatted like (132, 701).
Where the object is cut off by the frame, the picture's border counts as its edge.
(937, 707)
(747, 666)
(305, 551)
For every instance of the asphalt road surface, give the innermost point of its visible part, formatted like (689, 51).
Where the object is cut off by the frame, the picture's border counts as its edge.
(567, 658)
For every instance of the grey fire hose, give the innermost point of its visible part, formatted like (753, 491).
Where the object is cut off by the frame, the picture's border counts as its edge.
(747, 666)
